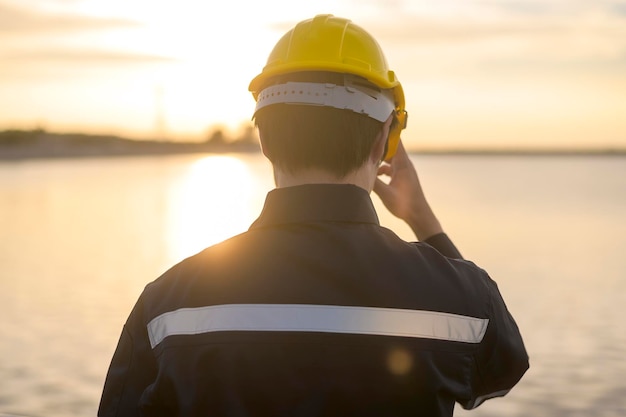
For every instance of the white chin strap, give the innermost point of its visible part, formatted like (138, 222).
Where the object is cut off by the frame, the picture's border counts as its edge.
(376, 104)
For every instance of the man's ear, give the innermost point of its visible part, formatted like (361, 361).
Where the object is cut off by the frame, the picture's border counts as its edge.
(261, 143)
(380, 146)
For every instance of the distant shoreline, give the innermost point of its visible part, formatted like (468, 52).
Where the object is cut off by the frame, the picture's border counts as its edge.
(39, 144)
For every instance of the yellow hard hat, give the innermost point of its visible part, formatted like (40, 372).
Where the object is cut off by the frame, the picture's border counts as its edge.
(328, 43)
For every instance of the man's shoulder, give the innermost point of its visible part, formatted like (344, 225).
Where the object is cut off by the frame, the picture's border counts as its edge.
(210, 260)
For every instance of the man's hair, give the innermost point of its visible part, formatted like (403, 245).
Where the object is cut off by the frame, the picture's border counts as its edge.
(296, 137)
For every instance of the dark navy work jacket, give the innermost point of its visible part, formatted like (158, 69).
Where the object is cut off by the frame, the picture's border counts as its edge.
(317, 310)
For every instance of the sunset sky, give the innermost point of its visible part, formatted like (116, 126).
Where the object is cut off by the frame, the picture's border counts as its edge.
(508, 73)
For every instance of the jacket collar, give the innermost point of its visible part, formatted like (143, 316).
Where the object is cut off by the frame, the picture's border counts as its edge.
(317, 203)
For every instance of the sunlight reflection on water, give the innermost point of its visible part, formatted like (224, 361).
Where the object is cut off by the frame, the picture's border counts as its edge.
(209, 203)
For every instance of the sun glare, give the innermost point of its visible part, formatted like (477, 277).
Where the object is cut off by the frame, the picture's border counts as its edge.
(213, 52)
(198, 56)
(213, 201)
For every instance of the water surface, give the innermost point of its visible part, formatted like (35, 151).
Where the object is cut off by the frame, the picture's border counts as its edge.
(79, 239)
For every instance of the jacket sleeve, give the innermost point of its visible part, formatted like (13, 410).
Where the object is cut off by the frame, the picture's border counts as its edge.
(501, 359)
(133, 368)
(444, 245)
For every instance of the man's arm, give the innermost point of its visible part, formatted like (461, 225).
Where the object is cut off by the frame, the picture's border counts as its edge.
(132, 370)
(404, 198)
(501, 358)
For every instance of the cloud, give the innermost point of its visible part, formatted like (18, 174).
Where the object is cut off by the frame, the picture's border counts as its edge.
(33, 37)
(83, 55)
(415, 28)
(556, 7)
(589, 39)
(619, 8)
(22, 21)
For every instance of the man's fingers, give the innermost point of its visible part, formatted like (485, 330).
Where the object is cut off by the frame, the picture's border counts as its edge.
(401, 158)
(385, 169)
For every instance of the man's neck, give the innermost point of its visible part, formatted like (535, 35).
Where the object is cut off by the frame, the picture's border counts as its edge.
(361, 178)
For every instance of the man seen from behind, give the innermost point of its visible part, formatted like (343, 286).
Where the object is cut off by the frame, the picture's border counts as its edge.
(317, 310)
